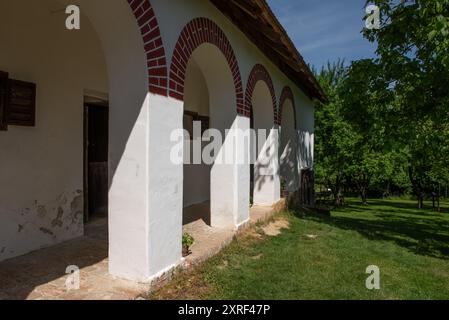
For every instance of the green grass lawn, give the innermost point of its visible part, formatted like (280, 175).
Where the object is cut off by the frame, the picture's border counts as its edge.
(410, 247)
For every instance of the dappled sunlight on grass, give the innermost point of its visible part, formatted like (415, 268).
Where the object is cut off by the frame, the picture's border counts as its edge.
(326, 258)
(424, 232)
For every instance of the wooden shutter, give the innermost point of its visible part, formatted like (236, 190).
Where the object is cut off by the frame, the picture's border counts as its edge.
(22, 103)
(3, 100)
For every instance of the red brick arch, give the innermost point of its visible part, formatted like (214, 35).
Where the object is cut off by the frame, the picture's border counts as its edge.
(260, 73)
(154, 48)
(287, 94)
(194, 34)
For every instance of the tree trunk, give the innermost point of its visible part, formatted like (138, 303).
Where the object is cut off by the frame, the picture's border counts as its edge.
(363, 184)
(338, 199)
(387, 190)
(416, 186)
(420, 200)
(363, 195)
(336, 192)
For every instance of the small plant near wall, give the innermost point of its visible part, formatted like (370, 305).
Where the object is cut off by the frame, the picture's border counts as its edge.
(187, 242)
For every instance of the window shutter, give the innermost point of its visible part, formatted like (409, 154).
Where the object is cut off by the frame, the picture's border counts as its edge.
(22, 103)
(3, 100)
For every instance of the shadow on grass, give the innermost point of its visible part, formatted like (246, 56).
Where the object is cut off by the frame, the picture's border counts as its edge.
(406, 208)
(409, 207)
(421, 232)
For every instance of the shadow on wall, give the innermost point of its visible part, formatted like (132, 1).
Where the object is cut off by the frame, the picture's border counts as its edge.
(266, 172)
(289, 167)
(305, 141)
(128, 90)
(210, 92)
(263, 172)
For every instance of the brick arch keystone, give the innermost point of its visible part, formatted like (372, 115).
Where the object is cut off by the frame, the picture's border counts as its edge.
(195, 33)
(260, 73)
(287, 94)
(154, 47)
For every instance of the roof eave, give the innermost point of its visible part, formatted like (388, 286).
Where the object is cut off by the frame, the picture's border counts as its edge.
(258, 22)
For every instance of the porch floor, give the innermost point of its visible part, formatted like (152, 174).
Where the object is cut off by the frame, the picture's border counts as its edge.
(209, 241)
(41, 275)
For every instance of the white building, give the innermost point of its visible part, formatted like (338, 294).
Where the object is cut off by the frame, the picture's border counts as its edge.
(87, 118)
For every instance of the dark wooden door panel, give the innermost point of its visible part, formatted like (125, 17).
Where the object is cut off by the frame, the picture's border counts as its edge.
(97, 159)
(3, 100)
(98, 188)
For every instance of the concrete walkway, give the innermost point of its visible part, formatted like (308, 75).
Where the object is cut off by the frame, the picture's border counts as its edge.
(41, 275)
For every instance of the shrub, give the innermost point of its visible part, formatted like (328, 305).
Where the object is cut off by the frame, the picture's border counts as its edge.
(187, 240)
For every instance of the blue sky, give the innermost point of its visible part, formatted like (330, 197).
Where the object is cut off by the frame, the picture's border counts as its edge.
(325, 30)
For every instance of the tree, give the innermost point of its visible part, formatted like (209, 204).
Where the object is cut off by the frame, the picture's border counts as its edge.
(334, 136)
(388, 117)
(413, 62)
(351, 148)
(365, 102)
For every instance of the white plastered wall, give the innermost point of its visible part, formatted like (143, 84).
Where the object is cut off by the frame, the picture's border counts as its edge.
(196, 173)
(266, 168)
(306, 130)
(174, 15)
(224, 176)
(165, 179)
(145, 212)
(146, 189)
(41, 167)
(142, 241)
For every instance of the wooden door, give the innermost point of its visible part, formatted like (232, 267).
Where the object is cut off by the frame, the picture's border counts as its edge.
(96, 160)
(3, 99)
